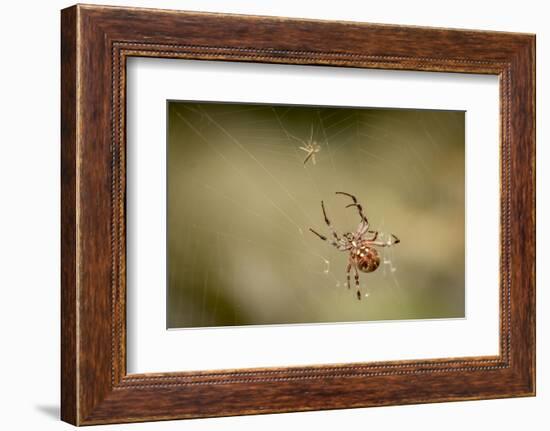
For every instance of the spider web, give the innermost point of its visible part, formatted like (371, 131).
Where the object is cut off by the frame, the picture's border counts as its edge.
(241, 202)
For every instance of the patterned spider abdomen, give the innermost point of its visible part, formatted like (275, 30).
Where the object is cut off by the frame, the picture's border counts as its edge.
(366, 258)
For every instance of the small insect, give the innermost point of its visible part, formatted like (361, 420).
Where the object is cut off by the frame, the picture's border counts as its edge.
(361, 244)
(310, 148)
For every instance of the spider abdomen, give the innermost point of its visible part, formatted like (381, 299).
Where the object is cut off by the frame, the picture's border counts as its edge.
(366, 258)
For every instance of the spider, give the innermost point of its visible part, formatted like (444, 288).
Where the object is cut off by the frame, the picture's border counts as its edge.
(363, 255)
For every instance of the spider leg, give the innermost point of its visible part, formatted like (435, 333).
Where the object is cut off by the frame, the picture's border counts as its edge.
(324, 238)
(339, 243)
(327, 221)
(357, 282)
(355, 204)
(348, 269)
(363, 228)
(309, 156)
(336, 244)
(387, 243)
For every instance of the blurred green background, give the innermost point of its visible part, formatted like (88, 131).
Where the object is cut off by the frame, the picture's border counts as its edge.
(241, 202)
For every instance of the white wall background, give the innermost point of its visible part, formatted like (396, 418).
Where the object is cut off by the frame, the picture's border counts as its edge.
(29, 215)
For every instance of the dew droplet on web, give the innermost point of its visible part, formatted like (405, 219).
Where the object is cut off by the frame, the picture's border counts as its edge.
(327, 267)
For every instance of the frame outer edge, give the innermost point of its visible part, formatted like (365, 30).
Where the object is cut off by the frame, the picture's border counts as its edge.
(533, 54)
(532, 83)
(69, 411)
(523, 216)
(529, 62)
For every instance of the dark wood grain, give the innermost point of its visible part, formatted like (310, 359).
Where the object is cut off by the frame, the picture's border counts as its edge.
(96, 41)
(68, 218)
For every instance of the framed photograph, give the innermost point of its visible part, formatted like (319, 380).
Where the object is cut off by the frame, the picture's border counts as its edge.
(263, 214)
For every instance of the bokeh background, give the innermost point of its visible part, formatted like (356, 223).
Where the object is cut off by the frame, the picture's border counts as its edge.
(241, 202)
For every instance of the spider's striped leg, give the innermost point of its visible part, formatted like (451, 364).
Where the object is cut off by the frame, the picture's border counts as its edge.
(389, 243)
(357, 283)
(363, 228)
(348, 269)
(355, 204)
(327, 221)
(324, 238)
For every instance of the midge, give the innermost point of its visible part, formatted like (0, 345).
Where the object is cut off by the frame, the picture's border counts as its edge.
(363, 255)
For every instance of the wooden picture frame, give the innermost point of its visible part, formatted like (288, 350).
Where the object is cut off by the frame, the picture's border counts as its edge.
(95, 43)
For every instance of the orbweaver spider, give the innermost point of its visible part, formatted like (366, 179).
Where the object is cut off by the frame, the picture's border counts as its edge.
(363, 255)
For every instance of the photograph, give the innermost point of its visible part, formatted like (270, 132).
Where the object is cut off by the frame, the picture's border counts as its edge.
(291, 214)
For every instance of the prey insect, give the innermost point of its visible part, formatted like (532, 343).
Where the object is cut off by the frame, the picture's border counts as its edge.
(310, 148)
(361, 244)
